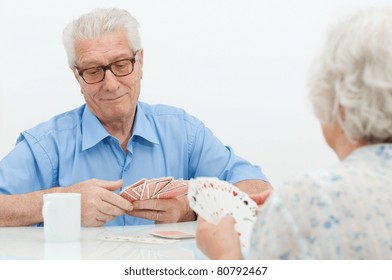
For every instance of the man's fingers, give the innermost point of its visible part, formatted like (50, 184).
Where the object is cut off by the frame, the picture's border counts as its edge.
(109, 185)
(99, 219)
(159, 210)
(117, 200)
(154, 204)
(104, 217)
(111, 197)
(169, 210)
(148, 214)
(260, 198)
(110, 209)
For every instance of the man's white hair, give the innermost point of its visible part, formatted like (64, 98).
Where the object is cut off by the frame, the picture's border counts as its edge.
(354, 73)
(95, 23)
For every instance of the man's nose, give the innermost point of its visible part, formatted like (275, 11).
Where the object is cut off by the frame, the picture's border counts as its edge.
(110, 81)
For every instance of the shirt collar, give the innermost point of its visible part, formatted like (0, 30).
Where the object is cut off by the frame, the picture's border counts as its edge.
(372, 151)
(142, 126)
(93, 132)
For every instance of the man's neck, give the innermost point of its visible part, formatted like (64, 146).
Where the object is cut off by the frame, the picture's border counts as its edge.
(121, 130)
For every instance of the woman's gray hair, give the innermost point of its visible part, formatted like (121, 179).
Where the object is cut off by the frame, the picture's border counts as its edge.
(354, 73)
(93, 24)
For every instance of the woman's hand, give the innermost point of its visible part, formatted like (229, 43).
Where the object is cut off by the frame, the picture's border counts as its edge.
(219, 241)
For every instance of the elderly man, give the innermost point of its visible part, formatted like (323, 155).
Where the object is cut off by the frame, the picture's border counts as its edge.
(113, 140)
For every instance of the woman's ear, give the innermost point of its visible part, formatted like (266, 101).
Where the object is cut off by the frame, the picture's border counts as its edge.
(342, 113)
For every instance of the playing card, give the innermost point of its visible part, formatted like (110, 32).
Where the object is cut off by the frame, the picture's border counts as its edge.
(212, 199)
(170, 186)
(145, 190)
(173, 189)
(161, 184)
(172, 234)
(151, 186)
(180, 191)
(165, 187)
(136, 239)
(133, 191)
(128, 195)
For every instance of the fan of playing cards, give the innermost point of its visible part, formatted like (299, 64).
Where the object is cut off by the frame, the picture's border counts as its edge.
(212, 199)
(165, 187)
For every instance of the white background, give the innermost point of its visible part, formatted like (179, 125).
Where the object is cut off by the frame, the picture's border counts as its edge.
(239, 66)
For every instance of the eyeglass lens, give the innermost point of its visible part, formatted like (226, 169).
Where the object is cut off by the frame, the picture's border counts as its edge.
(119, 68)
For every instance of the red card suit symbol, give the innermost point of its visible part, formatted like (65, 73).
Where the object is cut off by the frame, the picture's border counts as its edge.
(234, 193)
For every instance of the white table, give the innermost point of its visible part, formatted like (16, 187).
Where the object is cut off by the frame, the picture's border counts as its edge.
(29, 243)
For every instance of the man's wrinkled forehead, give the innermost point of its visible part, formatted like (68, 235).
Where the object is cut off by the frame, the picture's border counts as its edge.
(109, 46)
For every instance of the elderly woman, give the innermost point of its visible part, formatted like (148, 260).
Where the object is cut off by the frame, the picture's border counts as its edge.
(345, 211)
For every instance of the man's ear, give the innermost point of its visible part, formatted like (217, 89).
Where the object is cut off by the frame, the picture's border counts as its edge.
(75, 72)
(140, 59)
(77, 77)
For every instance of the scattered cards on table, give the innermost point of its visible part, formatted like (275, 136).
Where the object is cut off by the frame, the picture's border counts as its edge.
(136, 239)
(212, 199)
(165, 187)
(155, 237)
(172, 234)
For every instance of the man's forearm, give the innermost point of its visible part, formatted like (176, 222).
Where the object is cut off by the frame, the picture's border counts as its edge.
(253, 186)
(22, 209)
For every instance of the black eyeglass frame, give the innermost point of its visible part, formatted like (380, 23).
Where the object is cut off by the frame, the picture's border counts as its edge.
(109, 67)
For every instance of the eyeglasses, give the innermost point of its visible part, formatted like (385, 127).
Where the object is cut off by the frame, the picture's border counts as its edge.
(119, 68)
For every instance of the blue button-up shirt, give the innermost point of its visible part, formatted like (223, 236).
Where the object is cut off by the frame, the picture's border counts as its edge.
(74, 147)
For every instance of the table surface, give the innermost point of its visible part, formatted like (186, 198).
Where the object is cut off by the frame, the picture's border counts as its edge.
(29, 243)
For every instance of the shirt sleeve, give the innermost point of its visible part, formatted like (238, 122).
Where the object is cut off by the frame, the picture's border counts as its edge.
(26, 168)
(209, 157)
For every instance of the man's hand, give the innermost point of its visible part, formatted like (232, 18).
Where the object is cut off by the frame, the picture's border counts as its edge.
(260, 198)
(218, 242)
(258, 190)
(99, 204)
(169, 210)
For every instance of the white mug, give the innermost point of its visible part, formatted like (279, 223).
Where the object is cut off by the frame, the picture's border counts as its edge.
(62, 217)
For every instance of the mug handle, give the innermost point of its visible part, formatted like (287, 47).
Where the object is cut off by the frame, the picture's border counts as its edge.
(47, 212)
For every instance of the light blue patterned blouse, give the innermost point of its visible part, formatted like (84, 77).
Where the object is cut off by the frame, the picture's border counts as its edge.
(344, 212)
